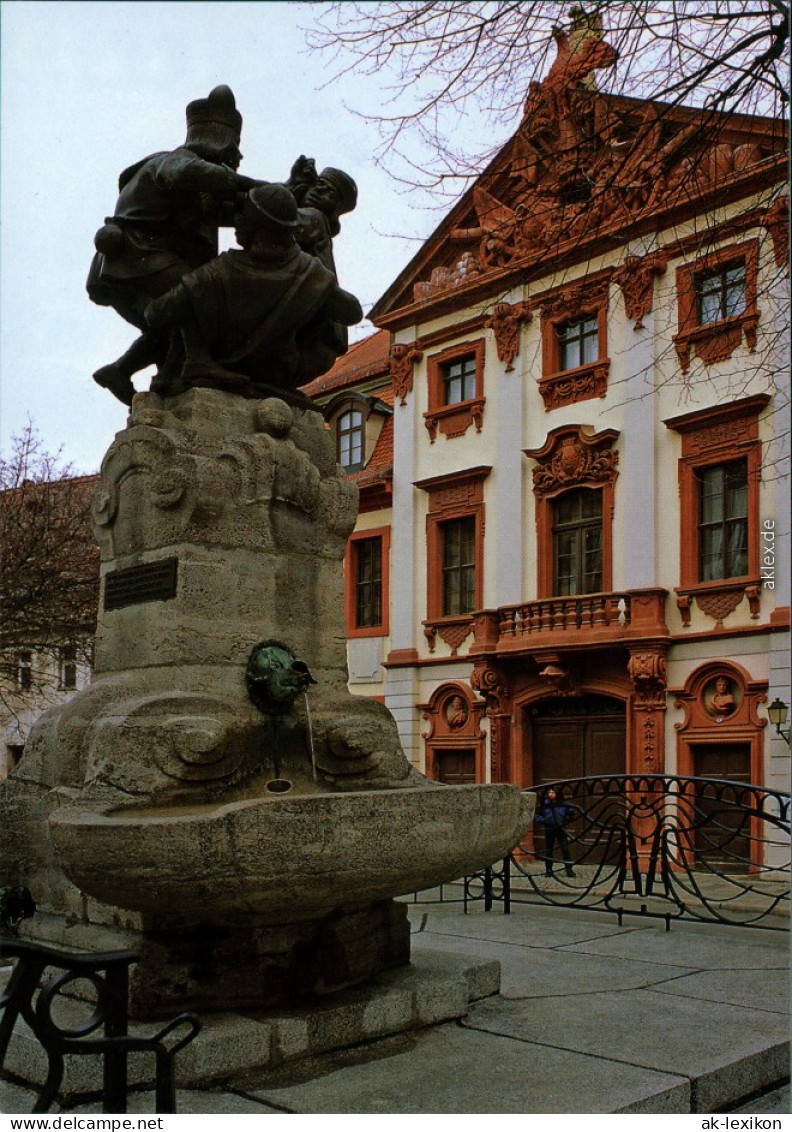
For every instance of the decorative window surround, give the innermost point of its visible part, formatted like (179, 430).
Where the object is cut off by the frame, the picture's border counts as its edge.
(454, 719)
(573, 456)
(454, 420)
(712, 436)
(350, 576)
(575, 301)
(454, 496)
(716, 341)
(370, 410)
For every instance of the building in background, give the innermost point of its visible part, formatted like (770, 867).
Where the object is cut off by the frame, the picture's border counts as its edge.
(572, 556)
(50, 590)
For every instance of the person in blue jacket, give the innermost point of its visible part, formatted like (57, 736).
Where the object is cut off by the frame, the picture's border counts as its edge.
(554, 815)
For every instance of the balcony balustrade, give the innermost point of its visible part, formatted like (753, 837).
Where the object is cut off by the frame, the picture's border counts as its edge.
(565, 614)
(572, 621)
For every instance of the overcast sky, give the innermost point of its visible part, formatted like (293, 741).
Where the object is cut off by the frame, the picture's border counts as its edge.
(90, 87)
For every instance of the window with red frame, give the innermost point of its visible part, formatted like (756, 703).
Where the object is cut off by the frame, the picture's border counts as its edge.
(366, 579)
(577, 542)
(459, 565)
(367, 557)
(578, 342)
(723, 520)
(459, 380)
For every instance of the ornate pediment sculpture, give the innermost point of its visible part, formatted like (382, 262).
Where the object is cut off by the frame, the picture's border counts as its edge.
(574, 455)
(584, 163)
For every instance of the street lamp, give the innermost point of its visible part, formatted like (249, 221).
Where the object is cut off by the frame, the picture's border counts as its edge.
(777, 713)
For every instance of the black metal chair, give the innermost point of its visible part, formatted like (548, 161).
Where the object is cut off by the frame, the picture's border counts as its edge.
(108, 972)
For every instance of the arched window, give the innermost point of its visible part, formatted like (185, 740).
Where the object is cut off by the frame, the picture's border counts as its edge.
(350, 439)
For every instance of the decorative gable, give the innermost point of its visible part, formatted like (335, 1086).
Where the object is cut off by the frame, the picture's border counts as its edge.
(582, 165)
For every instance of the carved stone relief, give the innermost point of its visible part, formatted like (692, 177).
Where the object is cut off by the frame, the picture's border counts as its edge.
(636, 279)
(572, 456)
(506, 321)
(402, 363)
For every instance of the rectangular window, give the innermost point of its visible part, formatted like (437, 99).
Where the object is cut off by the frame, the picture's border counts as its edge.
(720, 294)
(577, 543)
(366, 570)
(578, 342)
(459, 380)
(68, 668)
(723, 521)
(24, 671)
(368, 583)
(459, 565)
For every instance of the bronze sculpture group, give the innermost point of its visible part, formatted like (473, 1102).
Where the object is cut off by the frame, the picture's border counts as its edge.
(263, 318)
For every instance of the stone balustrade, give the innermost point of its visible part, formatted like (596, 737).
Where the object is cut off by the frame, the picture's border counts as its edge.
(577, 614)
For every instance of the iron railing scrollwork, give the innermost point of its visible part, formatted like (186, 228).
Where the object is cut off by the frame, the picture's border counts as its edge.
(43, 976)
(655, 845)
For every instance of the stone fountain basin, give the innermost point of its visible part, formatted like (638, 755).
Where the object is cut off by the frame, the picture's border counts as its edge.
(281, 860)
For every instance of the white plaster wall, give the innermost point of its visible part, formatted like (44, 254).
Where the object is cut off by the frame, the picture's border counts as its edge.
(20, 710)
(364, 661)
(645, 387)
(406, 547)
(505, 541)
(401, 696)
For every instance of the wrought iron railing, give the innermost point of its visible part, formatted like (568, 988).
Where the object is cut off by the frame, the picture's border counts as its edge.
(655, 845)
(43, 977)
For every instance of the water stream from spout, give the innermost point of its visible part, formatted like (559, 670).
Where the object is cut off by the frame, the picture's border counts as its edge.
(310, 736)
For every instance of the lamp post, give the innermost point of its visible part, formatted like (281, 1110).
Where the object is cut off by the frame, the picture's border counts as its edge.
(777, 714)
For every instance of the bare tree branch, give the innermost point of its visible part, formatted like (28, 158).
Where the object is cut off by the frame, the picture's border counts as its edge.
(469, 63)
(49, 574)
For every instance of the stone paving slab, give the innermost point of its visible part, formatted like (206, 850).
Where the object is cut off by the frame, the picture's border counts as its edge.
(533, 971)
(763, 988)
(727, 1054)
(694, 945)
(15, 1098)
(436, 987)
(530, 926)
(452, 1070)
(776, 1101)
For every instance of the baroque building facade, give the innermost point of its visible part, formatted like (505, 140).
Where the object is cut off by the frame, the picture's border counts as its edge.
(572, 554)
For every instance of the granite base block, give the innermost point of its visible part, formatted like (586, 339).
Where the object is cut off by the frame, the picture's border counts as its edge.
(436, 987)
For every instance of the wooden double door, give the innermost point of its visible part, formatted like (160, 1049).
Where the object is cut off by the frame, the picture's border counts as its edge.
(576, 738)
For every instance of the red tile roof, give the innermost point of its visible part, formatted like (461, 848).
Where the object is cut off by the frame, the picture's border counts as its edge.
(380, 466)
(364, 359)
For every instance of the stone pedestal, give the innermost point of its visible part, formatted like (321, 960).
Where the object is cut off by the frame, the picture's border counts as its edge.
(250, 857)
(257, 965)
